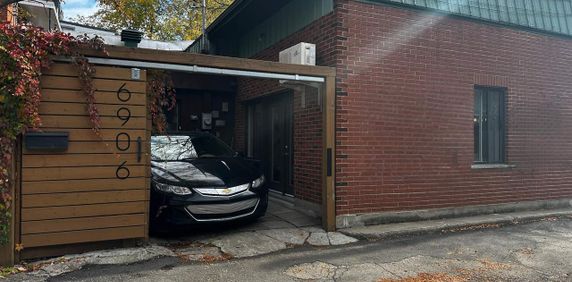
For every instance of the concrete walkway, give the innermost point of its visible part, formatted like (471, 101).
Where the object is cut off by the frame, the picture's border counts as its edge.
(281, 228)
(451, 224)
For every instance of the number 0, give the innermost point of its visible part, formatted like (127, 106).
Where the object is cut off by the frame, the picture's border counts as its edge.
(117, 142)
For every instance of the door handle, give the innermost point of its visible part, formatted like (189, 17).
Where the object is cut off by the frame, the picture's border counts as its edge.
(329, 160)
(139, 149)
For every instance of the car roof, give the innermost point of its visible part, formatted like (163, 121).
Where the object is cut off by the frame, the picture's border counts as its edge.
(184, 133)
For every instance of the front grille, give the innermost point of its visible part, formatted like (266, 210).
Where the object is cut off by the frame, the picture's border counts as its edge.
(221, 209)
(223, 191)
(226, 216)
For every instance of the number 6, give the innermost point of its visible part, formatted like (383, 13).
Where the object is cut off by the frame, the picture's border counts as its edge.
(123, 90)
(122, 167)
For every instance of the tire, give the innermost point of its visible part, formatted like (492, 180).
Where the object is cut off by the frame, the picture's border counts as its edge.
(261, 210)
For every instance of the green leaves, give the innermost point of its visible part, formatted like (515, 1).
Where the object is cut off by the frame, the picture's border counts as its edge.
(158, 19)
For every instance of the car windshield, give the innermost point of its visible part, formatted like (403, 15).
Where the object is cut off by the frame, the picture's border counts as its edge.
(176, 148)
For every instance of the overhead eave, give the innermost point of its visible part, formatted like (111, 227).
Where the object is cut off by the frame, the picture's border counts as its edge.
(228, 14)
(45, 13)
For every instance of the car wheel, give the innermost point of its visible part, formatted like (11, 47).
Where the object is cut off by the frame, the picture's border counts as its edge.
(158, 228)
(261, 210)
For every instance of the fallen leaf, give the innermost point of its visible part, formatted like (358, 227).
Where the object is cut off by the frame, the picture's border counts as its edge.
(19, 247)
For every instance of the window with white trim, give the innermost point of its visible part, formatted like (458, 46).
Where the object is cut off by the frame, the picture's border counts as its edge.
(489, 125)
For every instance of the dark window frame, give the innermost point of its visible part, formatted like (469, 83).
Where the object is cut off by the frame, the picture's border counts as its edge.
(489, 125)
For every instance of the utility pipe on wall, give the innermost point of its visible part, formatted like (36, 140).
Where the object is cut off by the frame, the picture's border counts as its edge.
(199, 69)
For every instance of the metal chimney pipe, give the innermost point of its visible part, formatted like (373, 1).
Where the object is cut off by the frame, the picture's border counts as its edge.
(203, 38)
(204, 17)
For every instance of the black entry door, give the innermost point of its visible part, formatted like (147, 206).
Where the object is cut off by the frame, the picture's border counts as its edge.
(271, 137)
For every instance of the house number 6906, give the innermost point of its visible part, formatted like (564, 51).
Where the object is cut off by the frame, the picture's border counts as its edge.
(123, 139)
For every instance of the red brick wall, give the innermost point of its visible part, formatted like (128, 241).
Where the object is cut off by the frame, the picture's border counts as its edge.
(405, 109)
(307, 122)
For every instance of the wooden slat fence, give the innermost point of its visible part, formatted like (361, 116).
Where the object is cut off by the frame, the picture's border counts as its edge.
(98, 189)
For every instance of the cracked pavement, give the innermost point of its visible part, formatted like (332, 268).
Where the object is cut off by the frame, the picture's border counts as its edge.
(539, 251)
(280, 229)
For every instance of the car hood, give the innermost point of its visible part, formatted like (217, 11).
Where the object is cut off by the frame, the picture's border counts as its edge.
(205, 172)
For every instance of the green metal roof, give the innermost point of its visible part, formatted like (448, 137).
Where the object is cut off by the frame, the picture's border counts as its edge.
(547, 15)
(249, 26)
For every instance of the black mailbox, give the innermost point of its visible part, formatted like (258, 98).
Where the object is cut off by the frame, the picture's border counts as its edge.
(47, 141)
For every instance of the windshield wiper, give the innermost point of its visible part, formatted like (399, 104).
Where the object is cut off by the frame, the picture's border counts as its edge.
(187, 159)
(207, 157)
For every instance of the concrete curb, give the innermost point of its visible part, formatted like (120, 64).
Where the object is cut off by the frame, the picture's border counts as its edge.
(387, 217)
(385, 231)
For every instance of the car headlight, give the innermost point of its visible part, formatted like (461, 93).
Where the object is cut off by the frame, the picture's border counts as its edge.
(258, 182)
(178, 190)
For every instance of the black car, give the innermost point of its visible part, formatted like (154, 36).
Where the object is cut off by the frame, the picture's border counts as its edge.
(197, 178)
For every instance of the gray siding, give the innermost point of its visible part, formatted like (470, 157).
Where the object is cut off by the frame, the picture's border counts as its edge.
(548, 15)
(292, 17)
(196, 47)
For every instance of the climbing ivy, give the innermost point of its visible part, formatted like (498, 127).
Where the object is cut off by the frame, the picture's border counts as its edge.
(161, 96)
(25, 51)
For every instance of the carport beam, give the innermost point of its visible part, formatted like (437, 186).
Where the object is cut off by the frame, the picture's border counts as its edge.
(199, 69)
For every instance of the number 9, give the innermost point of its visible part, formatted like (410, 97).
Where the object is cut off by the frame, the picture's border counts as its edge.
(124, 118)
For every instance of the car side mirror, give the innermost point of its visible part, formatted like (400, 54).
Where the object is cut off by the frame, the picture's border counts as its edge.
(240, 154)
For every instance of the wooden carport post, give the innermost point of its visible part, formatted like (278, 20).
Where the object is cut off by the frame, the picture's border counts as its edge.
(8, 254)
(329, 159)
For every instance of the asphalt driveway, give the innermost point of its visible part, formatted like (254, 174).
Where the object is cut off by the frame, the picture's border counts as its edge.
(539, 251)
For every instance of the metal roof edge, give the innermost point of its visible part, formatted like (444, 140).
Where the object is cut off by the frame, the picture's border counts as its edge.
(229, 12)
(226, 15)
(87, 26)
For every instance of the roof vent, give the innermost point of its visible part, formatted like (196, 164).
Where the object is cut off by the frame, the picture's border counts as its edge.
(131, 37)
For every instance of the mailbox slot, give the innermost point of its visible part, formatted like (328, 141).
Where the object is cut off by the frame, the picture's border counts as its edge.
(47, 141)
